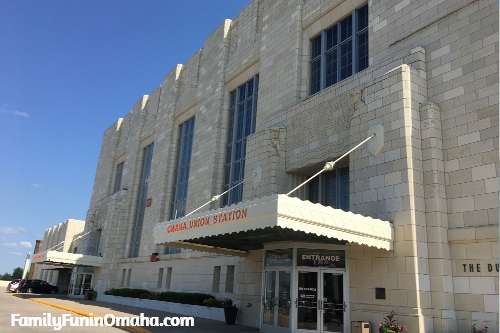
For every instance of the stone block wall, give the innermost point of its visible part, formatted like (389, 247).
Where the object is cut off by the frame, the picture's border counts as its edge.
(432, 83)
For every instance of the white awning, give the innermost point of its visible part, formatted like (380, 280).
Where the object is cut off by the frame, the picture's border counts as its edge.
(274, 218)
(65, 259)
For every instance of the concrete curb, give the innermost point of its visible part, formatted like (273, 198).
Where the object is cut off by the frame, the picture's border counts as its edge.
(134, 329)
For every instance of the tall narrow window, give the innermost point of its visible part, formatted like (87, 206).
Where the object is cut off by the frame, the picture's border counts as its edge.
(168, 280)
(160, 279)
(124, 273)
(185, 145)
(230, 279)
(216, 279)
(141, 200)
(362, 38)
(339, 51)
(316, 65)
(129, 275)
(346, 48)
(331, 189)
(118, 177)
(242, 112)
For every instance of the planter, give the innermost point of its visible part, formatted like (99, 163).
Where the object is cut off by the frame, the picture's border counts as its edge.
(88, 295)
(177, 308)
(230, 315)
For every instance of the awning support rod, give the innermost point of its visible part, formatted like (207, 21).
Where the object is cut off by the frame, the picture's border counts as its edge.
(217, 197)
(74, 239)
(329, 165)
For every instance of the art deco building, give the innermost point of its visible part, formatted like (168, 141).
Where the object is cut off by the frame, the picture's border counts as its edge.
(407, 222)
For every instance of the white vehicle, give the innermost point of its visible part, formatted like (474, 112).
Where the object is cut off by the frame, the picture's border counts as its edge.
(14, 286)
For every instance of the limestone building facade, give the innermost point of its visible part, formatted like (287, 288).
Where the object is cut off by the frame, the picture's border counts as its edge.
(409, 226)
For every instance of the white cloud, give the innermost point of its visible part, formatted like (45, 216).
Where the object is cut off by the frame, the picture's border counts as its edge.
(26, 244)
(11, 230)
(16, 253)
(11, 245)
(36, 185)
(14, 113)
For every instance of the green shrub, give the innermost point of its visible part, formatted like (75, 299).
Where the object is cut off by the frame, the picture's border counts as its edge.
(168, 296)
(127, 292)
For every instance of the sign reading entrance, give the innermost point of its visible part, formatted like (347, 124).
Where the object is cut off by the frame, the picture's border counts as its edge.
(321, 258)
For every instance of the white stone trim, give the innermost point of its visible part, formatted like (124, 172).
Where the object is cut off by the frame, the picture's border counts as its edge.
(285, 212)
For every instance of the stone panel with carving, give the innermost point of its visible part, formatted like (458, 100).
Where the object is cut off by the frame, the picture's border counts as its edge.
(323, 128)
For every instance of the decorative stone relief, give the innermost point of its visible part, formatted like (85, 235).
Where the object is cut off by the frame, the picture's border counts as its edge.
(93, 216)
(274, 147)
(356, 97)
(260, 9)
(234, 38)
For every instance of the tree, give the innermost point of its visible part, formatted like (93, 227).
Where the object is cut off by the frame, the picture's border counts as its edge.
(6, 277)
(17, 273)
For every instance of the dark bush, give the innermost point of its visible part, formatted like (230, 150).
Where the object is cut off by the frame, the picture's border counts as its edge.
(127, 292)
(184, 298)
(168, 296)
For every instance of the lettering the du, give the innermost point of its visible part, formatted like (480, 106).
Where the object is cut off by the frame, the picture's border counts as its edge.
(216, 218)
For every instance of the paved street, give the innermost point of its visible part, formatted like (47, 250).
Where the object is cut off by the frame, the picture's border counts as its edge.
(22, 305)
(14, 305)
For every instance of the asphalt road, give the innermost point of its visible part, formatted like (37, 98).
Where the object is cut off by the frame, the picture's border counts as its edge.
(13, 305)
(22, 305)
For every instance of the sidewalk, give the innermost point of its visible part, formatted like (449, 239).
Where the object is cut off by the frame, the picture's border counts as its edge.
(101, 309)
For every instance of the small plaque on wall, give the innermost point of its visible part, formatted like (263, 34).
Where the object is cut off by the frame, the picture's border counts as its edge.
(379, 293)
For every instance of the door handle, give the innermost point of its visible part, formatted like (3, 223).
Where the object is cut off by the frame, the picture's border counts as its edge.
(320, 305)
(345, 306)
(296, 303)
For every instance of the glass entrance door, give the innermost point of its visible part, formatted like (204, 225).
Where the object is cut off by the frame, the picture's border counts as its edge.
(332, 303)
(80, 282)
(320, 301)
(276, 303)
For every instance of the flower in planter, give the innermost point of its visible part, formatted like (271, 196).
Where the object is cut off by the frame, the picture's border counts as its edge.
(390, 326)
(229, 304)
(474, 330)
(213, 303)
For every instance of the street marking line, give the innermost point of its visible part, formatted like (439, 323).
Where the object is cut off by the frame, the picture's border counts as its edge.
(85, 314)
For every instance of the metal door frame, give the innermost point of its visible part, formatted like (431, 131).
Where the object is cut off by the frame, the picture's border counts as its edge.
(294, 279)
(320, 271)
(275, 328)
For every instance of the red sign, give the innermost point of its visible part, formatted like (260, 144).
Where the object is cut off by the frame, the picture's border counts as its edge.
(148, 202)
(39, 256)
(216, 218)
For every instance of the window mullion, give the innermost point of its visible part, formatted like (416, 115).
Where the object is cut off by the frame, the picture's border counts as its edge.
(354, 41)
(339, 55)
(254, 104)
(322, 72)
(179, 165)
(233, 144)
(321, 189)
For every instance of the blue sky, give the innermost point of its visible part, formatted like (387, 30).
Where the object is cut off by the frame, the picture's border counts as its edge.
(68, 70)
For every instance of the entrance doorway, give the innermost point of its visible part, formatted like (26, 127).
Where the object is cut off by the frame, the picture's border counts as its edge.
(81, 281)
(320, 301)
(305, 289)
(276, 302)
